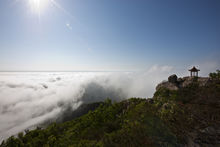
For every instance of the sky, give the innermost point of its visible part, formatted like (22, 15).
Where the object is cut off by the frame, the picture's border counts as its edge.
(108, 35)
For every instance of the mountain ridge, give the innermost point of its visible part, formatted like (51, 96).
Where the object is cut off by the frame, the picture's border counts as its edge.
(184, 116)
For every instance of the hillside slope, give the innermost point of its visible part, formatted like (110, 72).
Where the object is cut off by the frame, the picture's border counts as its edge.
(188, 116)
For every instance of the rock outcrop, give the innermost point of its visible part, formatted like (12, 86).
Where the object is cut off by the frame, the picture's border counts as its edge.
(172, 79)
(175, 83)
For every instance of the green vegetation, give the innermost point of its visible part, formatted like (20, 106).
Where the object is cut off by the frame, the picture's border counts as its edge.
(170, 118)
(129, 123)
(215, 75)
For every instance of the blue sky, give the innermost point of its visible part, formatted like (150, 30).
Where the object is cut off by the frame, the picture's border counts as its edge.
(108, 35)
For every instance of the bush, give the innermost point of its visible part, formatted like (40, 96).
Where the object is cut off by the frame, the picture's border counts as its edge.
(215, 75)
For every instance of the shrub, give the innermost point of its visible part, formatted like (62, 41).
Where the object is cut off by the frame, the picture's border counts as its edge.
(215, 75)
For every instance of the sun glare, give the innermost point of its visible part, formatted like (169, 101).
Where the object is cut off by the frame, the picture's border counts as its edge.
(38, 6)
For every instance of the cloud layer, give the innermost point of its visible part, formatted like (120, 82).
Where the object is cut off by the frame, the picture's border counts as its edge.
(28, 99)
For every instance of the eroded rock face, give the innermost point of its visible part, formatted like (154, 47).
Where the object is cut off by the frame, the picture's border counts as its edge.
(175, 83)
(168, 85)
(202, 81)
(180, 80)
(200, 103)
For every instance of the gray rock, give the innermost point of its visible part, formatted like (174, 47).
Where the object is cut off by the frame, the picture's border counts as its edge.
(180, 80)
(203, 81)
(168, 85)
(175, 83)
(172, 78)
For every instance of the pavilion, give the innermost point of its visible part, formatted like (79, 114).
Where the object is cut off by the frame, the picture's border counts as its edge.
(194, 72)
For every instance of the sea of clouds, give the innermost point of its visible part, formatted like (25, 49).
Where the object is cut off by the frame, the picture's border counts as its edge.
(31, 98)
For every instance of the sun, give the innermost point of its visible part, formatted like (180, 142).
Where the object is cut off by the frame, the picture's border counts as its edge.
(38, 6)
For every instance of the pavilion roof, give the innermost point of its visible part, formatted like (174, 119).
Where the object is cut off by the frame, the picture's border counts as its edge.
(194, 69)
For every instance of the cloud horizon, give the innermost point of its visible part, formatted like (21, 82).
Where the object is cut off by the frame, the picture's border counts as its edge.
(28, 99)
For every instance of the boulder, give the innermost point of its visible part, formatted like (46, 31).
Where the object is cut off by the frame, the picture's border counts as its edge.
(172, 78)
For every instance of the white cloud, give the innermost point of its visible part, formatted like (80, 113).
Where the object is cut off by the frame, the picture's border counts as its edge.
(28, 99)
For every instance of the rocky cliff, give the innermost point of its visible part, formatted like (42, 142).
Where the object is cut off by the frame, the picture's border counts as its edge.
(175, 83)
(191, 106)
